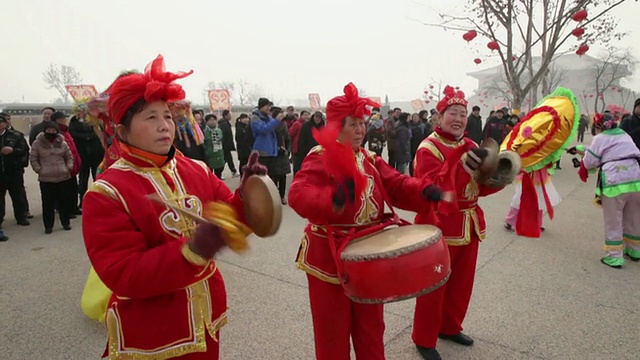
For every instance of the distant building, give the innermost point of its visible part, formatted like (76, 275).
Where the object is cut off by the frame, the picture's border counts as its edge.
(570, 71)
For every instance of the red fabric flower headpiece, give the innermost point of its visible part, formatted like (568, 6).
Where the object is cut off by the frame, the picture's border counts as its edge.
(155, 84)
(606, 121)
(451, 97)
(349, 104)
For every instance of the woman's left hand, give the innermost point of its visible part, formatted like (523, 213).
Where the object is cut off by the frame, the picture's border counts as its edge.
(253, 167)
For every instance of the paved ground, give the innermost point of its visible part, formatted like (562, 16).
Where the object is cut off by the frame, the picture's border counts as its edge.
(547, 298)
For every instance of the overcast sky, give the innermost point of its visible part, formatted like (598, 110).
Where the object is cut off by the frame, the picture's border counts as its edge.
(289, 47)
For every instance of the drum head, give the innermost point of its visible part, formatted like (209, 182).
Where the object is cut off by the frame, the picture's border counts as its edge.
(262, 206)
(391, 241)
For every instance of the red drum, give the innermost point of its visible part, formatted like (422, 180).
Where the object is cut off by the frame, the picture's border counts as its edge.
(395, 264)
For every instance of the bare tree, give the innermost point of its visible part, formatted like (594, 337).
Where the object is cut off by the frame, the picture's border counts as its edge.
(248, 93)
(434, 91)
(362, 92)
(628, 97)
(57, 76)
(528, 29)
(609, 70)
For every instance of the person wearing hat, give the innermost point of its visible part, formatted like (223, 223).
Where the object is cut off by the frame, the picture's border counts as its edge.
(168, 298)
(263, 127)
(343, 186)
(52, 160)
(24, 160)
(448, 159)
(244, 140)
(614, 153)
(496, 127)
(632, 124)
(61, 119)
(13, 150)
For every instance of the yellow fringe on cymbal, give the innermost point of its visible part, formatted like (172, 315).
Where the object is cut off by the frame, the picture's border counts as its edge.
(234, 232)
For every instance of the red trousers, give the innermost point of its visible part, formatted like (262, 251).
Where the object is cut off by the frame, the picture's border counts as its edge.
(336, 320)
(442, 311)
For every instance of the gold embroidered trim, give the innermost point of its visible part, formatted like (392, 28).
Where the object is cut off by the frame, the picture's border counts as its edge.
(303, 265)
(199, 315)
(470, 216)
(105, 188)
(427, 144)
(192, 257)
(446, 142)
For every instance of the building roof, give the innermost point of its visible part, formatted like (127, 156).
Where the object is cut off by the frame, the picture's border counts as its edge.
(567, 61)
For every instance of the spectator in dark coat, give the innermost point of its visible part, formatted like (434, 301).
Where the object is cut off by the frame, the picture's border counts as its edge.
(282, 165)
(582, 127)
(38, 128)
(89, 147)
(496, 127)
(244, 140)
(419, 131)
(474, 125)
(227, 141)
(306, 142)
(632, 124)
(402, 154)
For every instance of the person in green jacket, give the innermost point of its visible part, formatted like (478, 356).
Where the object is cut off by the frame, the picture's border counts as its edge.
(214, 154)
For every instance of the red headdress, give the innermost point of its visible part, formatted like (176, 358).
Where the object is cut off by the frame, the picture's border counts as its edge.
(451, 97)
(339, 158)
(155, 84)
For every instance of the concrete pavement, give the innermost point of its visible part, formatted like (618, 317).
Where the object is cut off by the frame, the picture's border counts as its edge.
(547, 298)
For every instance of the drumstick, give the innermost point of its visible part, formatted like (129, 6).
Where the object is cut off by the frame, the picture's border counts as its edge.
(448, 196)
(185, 212)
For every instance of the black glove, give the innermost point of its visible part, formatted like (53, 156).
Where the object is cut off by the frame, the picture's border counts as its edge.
(476, 157)
(344, 192)
(207, 240)
(576, 163)
(572, 150)
(432, 193)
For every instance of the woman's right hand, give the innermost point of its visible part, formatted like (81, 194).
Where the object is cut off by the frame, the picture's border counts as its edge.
(207, 240)
(344, 192)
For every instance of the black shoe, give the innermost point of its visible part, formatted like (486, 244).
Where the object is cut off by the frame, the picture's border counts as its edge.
(77, 212)
(4, 238)
(461, 339)
(29, 216)
(48, 231)
(23, 222)
(508, 226)
(72, 216)
(66, 227)
(428, 353)
(542, 229)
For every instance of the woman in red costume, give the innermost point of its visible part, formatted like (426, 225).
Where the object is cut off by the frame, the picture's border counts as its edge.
(448, 159)
(342, 187)
(169, 298)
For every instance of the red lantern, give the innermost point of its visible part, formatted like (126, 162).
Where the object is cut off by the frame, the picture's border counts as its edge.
(591, 96)
(481, 100)
(580, 16)
(427, 101)
(619, 90)
(469, 35)
(431, 86)
(577, 32)
(613, 88)
(513, 58)
(430, 97)
(582, 49)
(493, 45)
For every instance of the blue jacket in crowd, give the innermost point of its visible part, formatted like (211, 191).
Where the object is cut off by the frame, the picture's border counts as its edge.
(263, 128)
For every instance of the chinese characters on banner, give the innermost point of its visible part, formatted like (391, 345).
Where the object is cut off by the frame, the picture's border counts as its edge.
(219, 100)
(417, 105)
(314, 101)
(81, 92)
